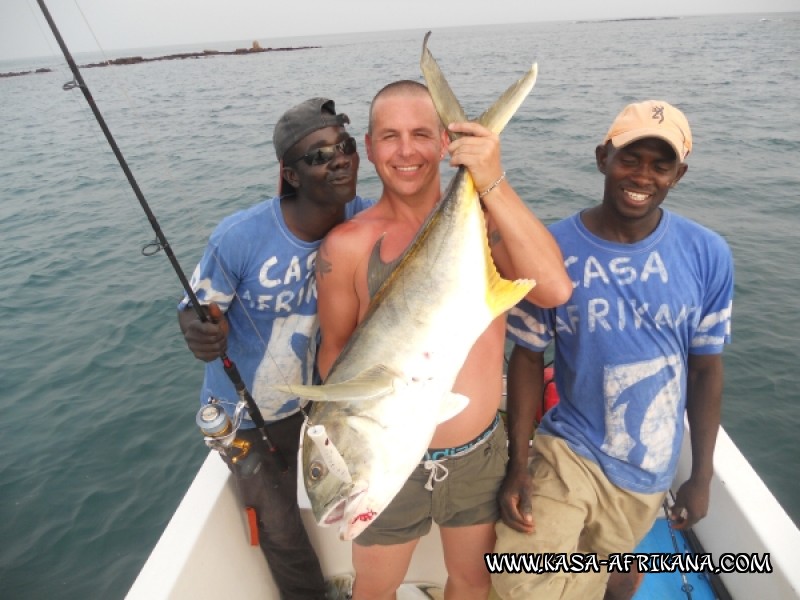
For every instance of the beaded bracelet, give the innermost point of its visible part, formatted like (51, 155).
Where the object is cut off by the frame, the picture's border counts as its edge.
(491, 187)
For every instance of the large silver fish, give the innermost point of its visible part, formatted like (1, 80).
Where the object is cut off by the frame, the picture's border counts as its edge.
(391, 386)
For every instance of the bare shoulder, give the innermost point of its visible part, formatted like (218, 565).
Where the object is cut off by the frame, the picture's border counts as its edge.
(355, 236)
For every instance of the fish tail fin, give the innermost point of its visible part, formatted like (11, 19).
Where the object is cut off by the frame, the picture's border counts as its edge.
(445, 101)
(450, 110)
(499, 114)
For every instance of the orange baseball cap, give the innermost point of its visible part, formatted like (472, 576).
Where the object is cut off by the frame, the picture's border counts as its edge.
(652, 118)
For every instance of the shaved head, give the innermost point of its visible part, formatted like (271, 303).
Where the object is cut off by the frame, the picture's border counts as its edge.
(403, 87)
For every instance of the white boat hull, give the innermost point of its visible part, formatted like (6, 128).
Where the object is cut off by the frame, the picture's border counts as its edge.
(745, 518)
(208, 530)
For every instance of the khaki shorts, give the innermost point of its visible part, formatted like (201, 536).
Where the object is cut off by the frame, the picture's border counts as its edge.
(575, 509)
(467, 495)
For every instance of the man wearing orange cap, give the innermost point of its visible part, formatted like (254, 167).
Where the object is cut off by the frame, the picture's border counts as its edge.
(639, 342)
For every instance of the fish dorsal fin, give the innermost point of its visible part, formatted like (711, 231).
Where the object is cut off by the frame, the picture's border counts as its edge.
(371, 384)
(451, 404)
(445, 101)
(499, 114)
(377, 270)
(502, 294)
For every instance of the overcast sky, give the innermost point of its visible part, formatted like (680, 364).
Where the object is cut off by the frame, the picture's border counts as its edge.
(127, 24)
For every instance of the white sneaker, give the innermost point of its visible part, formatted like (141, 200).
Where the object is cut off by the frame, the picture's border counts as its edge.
(340, 587)
(420, 591)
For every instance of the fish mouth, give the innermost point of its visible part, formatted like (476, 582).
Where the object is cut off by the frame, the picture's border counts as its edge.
(337, 512)
(358, 515)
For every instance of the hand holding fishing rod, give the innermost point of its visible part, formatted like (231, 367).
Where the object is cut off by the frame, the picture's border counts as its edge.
(229, 366)
(207, 339)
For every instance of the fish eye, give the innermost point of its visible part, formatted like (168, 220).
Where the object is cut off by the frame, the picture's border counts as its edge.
(316, 470)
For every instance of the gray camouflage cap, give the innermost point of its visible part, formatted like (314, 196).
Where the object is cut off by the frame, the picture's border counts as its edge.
(307, 117)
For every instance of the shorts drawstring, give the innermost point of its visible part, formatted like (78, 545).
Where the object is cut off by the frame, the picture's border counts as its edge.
(434, 459)
(438, 472)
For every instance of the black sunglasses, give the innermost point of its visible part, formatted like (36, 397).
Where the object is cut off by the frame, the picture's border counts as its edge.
(324, 155)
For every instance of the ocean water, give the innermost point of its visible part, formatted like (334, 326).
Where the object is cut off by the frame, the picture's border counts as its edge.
(99, 392)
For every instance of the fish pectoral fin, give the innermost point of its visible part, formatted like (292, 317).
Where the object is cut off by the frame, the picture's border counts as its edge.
(371, 384)
(451, 404)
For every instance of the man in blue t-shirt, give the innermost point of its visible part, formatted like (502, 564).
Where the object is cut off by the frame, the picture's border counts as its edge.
(256, 278)
(638, 344)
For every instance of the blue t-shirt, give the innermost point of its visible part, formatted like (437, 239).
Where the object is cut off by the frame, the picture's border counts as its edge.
(262, 276)
(623, 339)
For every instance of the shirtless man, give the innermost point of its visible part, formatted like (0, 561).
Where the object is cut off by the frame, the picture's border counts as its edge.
(406, 143)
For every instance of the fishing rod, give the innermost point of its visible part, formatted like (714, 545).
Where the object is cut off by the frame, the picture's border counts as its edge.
(686, 587)
(161, 241)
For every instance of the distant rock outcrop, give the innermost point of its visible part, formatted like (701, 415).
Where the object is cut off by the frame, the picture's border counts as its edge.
(133, 60)
(18, 73)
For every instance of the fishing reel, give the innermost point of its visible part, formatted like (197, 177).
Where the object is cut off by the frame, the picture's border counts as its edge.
(220, 430)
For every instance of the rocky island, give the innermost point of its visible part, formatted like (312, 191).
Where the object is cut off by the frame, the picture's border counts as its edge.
(133, 60)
